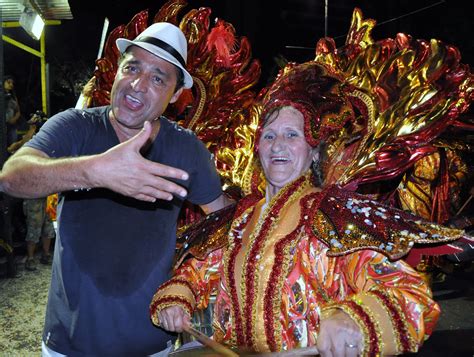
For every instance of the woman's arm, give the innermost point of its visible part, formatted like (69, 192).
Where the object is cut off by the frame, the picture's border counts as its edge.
(389, 301)
(190, 288)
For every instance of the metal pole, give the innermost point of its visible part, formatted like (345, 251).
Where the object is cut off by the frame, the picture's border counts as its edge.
(43, 72)
(326, 5)
(48, 104)
(5, 201)
(3, 126)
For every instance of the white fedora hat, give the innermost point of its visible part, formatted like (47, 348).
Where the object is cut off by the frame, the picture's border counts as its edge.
(164, 40)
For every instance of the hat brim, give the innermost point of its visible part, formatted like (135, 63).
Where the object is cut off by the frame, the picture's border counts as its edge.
(123, 44)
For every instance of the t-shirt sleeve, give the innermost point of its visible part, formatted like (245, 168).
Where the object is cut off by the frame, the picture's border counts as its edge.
(61, 135)
(205, 184)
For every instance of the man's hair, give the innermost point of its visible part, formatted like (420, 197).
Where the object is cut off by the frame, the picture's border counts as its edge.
(6, 77)
(179, 79)
(179, 71)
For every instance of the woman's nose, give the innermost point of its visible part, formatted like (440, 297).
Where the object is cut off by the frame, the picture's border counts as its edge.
(278, 144)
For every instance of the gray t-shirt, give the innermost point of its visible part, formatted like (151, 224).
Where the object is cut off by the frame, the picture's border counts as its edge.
(112, 252)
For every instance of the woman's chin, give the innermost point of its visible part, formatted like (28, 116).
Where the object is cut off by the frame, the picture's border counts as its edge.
(278, 182)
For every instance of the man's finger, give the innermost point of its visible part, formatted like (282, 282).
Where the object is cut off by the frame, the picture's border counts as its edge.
(162, 189)
(142, 137)
(161, 170)
(146, 198)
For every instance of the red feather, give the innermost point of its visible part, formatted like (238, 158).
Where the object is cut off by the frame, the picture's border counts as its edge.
(222, 39)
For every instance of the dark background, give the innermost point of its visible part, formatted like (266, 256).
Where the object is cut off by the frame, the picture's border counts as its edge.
(71, 48)
(270, 25)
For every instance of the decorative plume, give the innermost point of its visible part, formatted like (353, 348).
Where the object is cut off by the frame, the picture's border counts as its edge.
(222, 38)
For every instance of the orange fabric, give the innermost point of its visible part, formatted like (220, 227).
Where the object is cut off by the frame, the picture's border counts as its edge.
(311, 281)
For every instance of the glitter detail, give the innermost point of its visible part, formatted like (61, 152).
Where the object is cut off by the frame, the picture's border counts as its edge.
(347, 222)
(366, 322)
(404, 342)
(256, 243)
(178, 281)
(167, 301)
(230, 255)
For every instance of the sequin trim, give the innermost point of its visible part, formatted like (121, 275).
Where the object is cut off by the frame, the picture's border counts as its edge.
(167, 301)
(256, 243)
(179, 281)
(272, 301)
(366, 322)
(404, 341)
(229, 269)
(280, 269)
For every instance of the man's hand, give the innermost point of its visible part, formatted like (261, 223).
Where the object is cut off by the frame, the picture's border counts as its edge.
(339, 336)
(174, 318)
(123, 169)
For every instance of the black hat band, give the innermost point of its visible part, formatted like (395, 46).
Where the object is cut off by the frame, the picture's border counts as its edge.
(164, 46)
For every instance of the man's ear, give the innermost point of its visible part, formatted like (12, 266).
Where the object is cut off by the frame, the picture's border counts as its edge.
(176, 95)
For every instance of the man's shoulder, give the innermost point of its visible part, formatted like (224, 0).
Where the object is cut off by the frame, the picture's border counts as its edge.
(81, 117)
(174, 127)
(85, 113)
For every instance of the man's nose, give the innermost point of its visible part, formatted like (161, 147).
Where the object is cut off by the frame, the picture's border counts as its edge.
(140, 84)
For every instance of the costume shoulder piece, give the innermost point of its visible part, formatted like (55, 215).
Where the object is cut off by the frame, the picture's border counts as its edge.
(346, 221)
(406, 92)
(204, 236)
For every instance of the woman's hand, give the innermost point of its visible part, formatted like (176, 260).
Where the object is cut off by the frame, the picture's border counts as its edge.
(339, 336)
(174, 318)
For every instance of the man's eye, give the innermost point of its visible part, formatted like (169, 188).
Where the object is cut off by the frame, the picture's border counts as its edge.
(130, 69)
(157, 80)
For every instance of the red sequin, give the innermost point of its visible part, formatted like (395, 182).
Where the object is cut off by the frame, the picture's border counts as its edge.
(401, 329)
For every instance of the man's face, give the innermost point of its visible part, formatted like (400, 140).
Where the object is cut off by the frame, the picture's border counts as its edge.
(143, 87)
(9, 84)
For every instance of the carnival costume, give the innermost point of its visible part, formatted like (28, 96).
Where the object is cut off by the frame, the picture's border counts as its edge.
(409, 93)
(405, 94)
(288, 263)
(278, 270)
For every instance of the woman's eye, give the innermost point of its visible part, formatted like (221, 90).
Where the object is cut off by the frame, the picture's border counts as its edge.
(268, 136)
(292, 134)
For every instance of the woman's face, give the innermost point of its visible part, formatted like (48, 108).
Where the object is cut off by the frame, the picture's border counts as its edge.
(283, 151)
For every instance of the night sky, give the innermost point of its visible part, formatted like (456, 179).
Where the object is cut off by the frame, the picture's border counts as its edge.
(269, 25)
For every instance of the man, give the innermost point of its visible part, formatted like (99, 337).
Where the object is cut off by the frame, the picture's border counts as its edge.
(39, 225)
(124, 172)
(12, 109)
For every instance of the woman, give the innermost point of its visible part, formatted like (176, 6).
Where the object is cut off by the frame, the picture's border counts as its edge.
(303, 266)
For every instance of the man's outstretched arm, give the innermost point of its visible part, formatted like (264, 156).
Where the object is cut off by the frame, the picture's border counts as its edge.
(31, 173)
